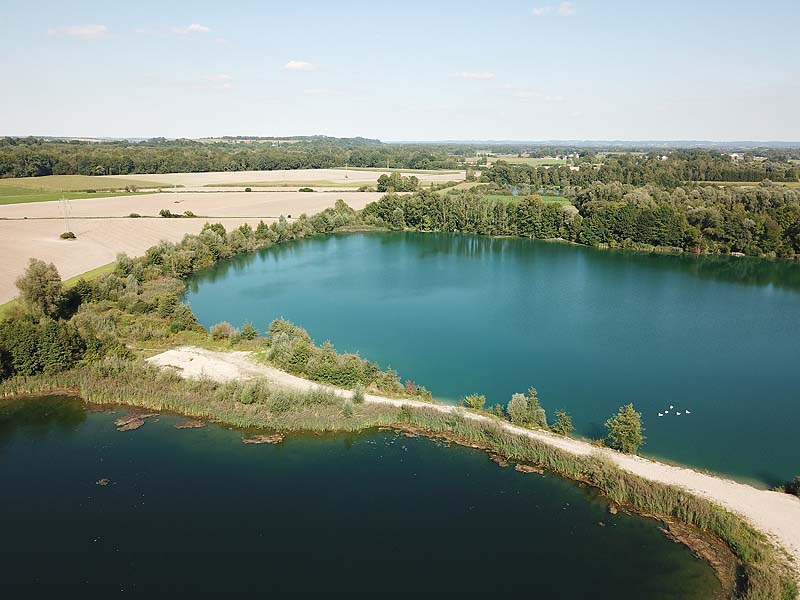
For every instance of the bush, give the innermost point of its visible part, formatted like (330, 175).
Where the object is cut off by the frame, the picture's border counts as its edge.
(134, 216)
(474, 401)
(526, 411)
(40, 288)
(563, 424)
(247, 189)
(221, 331)
(358, 394)
(347, 409)
(167, 214)
(188, 213)
(625, 430)
(248, 331)
(306, 189)
(793, 487)
(67, 235)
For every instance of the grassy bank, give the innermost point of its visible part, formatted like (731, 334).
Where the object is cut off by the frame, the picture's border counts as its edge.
(24, 195)
(763, 573)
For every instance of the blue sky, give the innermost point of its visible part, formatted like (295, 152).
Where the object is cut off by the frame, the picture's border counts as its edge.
(509, 69)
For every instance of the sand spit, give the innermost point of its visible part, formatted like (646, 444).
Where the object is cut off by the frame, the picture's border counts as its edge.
(774, 513)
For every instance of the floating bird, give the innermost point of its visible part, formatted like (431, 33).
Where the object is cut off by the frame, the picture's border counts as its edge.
(678, 414)
(660, 414)
(671, 407)
(688, 412)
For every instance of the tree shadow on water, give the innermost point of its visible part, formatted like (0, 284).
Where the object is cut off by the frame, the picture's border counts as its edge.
(37, 416)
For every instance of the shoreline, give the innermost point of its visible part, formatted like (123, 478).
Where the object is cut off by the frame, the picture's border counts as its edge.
(775, 514)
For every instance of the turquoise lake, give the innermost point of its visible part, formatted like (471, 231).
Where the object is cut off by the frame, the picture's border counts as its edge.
(198, 512)
(590, 329)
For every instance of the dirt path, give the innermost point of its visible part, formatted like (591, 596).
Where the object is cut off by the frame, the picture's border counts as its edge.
(774, 513)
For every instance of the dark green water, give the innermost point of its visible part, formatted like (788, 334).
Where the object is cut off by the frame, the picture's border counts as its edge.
(590, 329)
(197, 510)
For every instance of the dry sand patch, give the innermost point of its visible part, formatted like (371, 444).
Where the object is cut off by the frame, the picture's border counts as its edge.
(207, 203)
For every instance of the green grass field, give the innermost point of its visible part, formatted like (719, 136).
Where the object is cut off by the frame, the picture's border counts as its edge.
(536, 162)
(21, 195)
(549, 199)
(791, 184)
(78, 183)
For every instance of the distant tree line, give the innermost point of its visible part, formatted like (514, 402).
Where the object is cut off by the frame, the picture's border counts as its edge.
(755, 221)
(667, 171)
(33, 157)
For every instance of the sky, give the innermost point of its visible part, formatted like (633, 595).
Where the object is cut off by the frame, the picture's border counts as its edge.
(403, 71)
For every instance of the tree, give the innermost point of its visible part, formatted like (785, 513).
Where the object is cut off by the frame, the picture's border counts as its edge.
(625, 432)
(474, 401)
(563, 424)
(526, 411)
(40, 288)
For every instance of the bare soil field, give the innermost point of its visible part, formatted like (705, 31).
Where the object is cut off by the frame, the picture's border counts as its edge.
(103, 227)
(209, 203)
(98, 242)
(333, 176)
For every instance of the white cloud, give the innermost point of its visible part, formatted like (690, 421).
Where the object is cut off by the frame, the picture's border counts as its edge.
(534, 95)
(481, 75)
(84, 32)
(299, 65)
(193, 28)
(564, 9)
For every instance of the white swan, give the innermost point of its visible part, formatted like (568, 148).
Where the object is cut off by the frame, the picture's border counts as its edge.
(688, 412)
(671, 407)
(660, 414)
(678, 414)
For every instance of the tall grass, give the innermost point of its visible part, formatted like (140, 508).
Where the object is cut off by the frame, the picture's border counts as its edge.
(258, 404)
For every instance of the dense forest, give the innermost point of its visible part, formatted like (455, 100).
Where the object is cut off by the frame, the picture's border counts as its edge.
(33, 157)
(664, 170)
(762, 221)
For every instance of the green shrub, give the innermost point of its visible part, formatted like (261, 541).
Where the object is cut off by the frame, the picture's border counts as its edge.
(248, 331)
(358, 394)
(563, 424)
(526, 411)
(67, 235)
(306, 189)
(134, 216)
(221, 331)
(247, 189)
(474, 401)
(347, 409)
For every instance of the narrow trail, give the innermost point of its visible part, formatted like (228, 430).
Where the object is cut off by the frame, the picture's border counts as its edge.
(774, 513)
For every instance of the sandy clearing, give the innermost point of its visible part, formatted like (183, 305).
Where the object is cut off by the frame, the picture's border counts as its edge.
(774, 513)
(212, 204)
(99, 241)
(234, 177)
